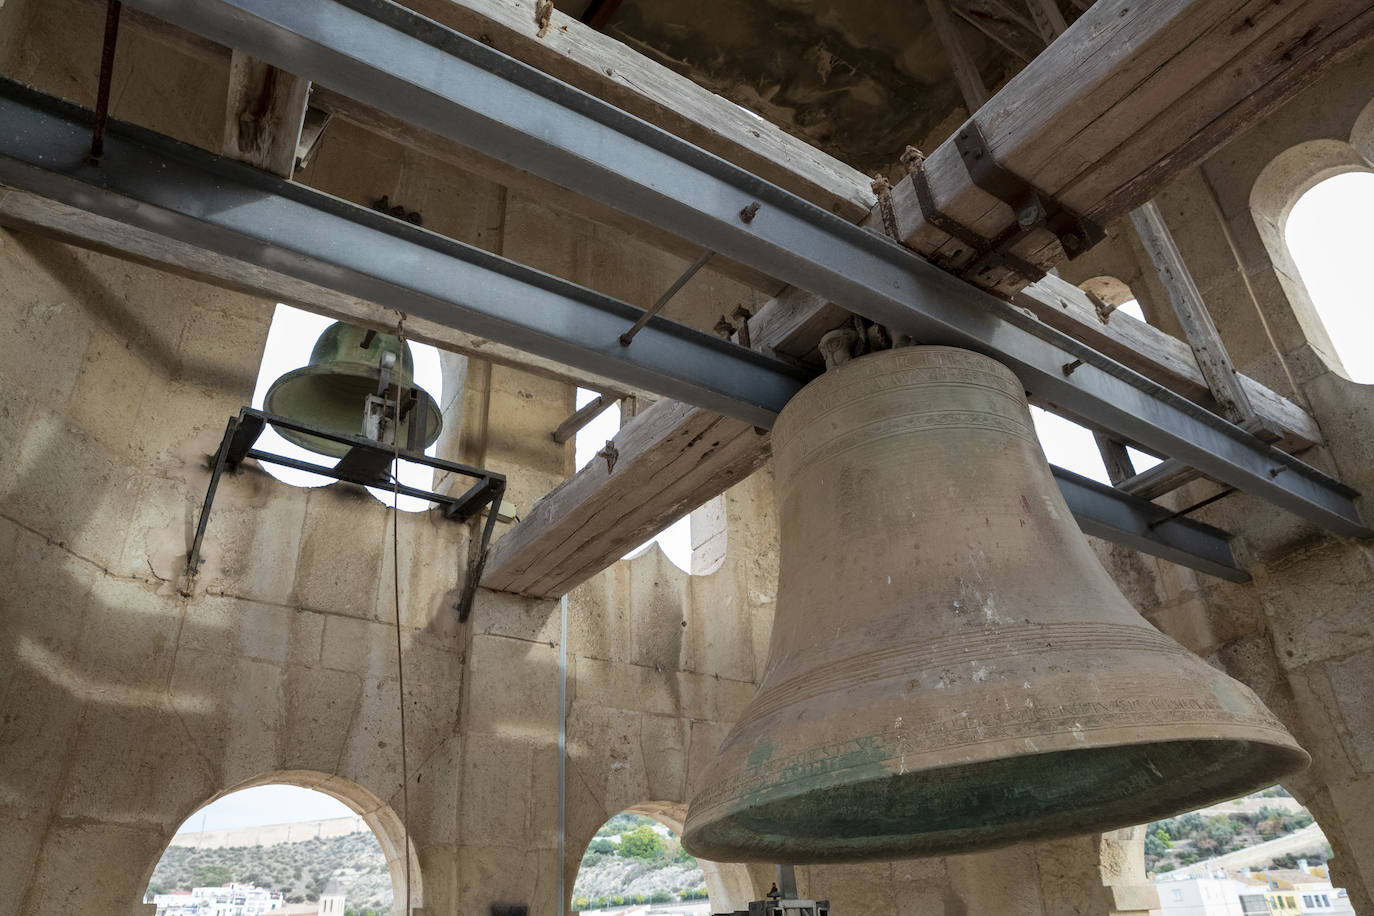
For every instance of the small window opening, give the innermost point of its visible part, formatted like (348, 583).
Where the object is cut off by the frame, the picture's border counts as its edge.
(290, 339)
(1115, 293)
(676, 539)
(1072, 447)
(272, 848)
(1328, 233)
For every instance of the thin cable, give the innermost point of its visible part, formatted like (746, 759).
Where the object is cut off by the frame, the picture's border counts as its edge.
(396, 594)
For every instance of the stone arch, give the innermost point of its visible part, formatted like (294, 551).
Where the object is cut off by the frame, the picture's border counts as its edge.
(380, 818)
(1113, 291)
(729, 885)
(1277, 189)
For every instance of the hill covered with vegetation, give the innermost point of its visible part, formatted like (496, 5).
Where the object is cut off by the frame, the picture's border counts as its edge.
(299, 870)
(634, 860)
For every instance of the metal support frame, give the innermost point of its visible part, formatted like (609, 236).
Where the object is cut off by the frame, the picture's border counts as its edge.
(365, 464)
(457, 87)
(1108, 513)
(156, 183)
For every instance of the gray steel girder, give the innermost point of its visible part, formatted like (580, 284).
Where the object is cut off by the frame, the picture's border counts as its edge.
(391, 58)
(178, 192)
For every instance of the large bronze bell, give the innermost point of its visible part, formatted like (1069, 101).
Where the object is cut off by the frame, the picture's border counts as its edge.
(951, 668)
(331, 391)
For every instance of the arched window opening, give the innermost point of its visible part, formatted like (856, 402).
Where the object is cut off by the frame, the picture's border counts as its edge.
(1115, 294)
(290, 339)
(634, 860)
(1241, 856)
(676, 540)
(274, 848)
(1328, 232)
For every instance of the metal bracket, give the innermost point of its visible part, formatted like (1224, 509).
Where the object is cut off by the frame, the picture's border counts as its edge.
(367, 463)
(1033, 208)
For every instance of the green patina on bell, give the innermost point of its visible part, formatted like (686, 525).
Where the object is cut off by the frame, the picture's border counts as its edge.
(331, 391)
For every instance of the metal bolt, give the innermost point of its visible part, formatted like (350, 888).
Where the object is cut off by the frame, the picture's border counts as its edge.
(1068, 368)
(747, 214)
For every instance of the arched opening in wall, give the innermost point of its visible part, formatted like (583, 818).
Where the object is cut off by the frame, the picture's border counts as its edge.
(1328, 232)
(676, 540)
(1241, 856)
(291, 843)
(1115, 295)
(636, 859)
(290, 340)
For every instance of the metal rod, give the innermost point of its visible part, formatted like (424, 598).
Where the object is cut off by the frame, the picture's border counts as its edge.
(193, 558)
(584, 415)
(174, 191)
(102, 96)
(475, 574)
(679, 283)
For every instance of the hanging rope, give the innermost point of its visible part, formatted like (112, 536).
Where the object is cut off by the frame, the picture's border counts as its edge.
(396, 594)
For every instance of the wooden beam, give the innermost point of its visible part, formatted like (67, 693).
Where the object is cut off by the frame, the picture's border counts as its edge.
(665, 460)
(1232, 400)
(1129, 96)
(1049, 19)
(264, 114)
(960, 60)
(596, 63)
(1115, 458)
(1003, 25)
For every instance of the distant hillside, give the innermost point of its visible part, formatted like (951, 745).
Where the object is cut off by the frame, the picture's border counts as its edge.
(634, 859)
(299, 869)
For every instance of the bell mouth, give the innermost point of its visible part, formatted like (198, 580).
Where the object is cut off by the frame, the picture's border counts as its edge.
(994, 803)
(332, 397)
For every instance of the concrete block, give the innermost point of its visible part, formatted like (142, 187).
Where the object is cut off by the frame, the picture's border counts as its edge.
(339, 563)
(490, 873)
(70, 488)
(434, 795)
(1318, 603)
(626, 686)
(1352, 683)
(129, 636)
(96, 852)
(43, 606)
(231, 711)
(249, 629)
(39, 312)
(358, 646)
(109, 393)
(221, 350)
(504, 614)
(180, 426)
(161, 530)
(495, 798)
(21, 837)
(606, 755)
(38, 725)
(665, 763)
(720, 699)
(513, 688)
(319, 731)
(132, 764)
(253, 538)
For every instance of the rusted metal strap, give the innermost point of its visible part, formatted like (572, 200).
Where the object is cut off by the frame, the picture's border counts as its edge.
(1033, 208)
(882, 189)
(987, 253)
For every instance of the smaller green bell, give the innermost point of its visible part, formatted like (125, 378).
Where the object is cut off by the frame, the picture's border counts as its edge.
(331, 391)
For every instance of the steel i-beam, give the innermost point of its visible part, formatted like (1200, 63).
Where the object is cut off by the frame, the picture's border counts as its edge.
(152, 195)
(391, 58)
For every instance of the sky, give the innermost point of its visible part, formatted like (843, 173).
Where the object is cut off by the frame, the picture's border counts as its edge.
(265, 805)
(1330, 233)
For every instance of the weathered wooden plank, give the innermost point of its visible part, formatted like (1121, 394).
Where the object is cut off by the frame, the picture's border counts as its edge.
(598, 64)
(263, 114)
(668, 460)
(1208, 349)
(960, 61)
(1129, 96)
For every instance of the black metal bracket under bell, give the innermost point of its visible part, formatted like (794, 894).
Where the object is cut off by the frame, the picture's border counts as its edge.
(367, 463)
